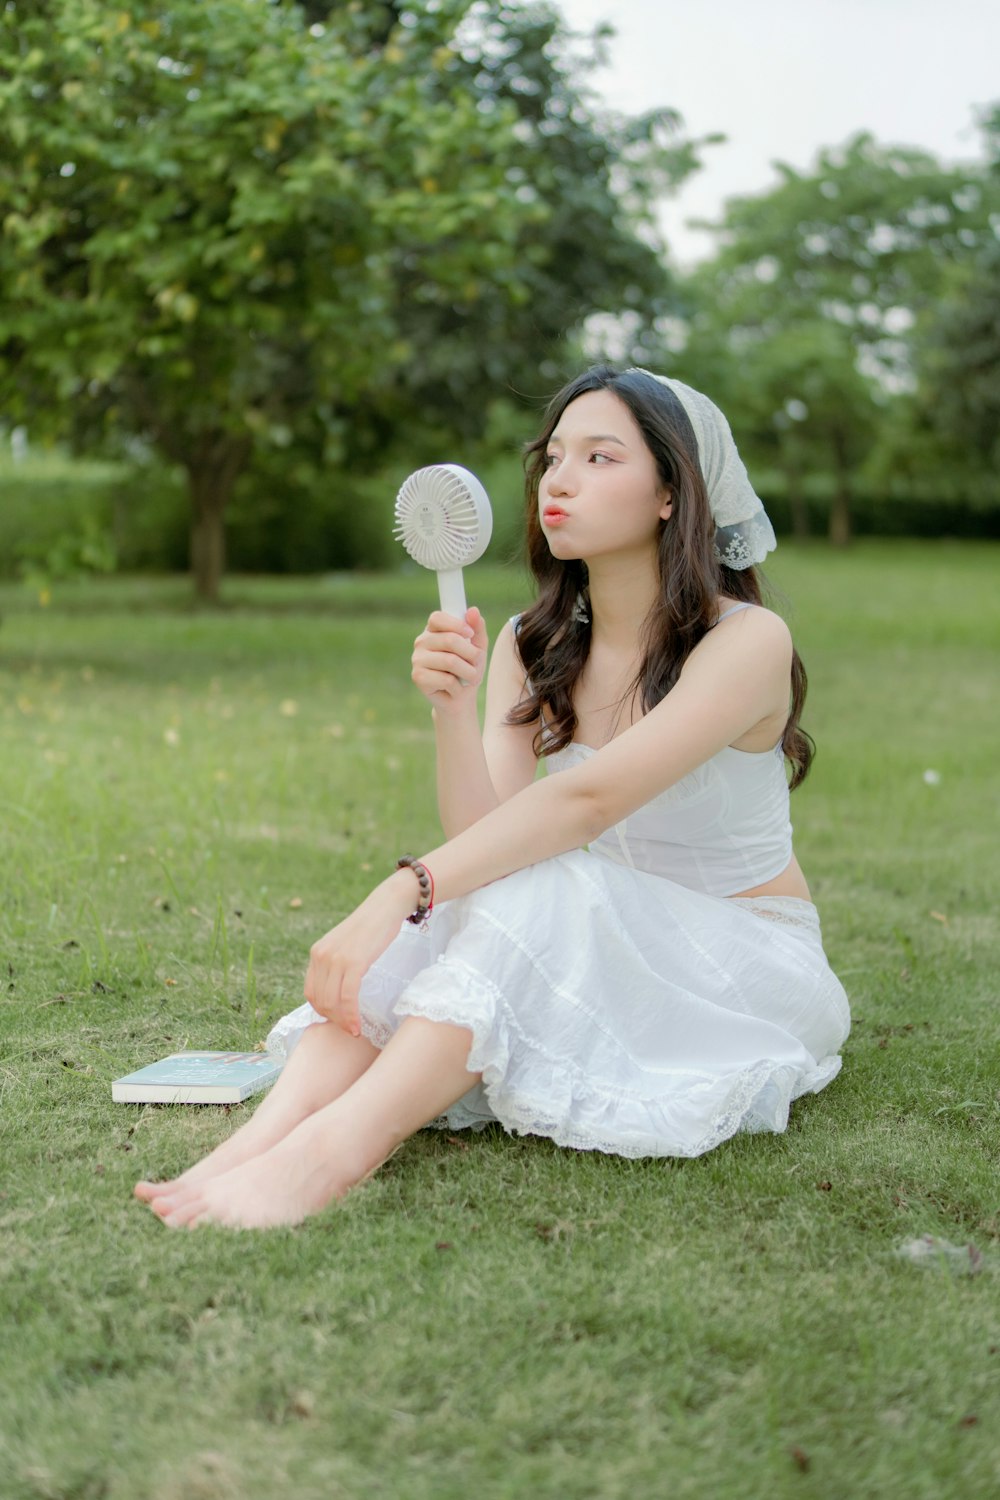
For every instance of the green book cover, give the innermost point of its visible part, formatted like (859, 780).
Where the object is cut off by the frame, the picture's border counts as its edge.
(198, 1078)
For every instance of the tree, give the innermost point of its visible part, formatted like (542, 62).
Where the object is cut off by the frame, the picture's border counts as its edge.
(864, 240)
(796, 397)
(805, 314)
(958, 349)
(235, 227)
(961, 362)
(204, 199)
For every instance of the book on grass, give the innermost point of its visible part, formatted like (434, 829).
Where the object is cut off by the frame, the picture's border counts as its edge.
(198, 1078)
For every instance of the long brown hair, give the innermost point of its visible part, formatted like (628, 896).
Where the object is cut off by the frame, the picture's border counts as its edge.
(553, 638)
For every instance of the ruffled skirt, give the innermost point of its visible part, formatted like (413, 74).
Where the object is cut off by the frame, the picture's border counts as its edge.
(614, 1010)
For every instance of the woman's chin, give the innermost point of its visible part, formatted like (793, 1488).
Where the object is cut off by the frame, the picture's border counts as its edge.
(560, 546)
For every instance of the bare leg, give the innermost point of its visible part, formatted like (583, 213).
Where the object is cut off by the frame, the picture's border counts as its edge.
(419, 1074)
(325, 1063)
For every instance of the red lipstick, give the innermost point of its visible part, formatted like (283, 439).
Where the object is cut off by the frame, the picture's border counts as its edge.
(554, 515)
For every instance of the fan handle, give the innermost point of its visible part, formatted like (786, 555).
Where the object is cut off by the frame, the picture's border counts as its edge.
(451, 592)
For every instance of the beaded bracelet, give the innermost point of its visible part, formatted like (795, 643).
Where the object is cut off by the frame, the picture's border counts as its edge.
(425, 894)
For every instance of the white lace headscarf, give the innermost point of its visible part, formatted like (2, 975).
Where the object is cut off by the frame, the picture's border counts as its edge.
(743, 533)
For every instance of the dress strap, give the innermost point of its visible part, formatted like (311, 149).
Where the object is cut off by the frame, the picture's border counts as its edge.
(732, 610)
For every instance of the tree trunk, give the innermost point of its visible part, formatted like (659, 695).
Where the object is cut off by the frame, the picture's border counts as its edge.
(208, 540)
(212, 472)
(840, 516)
(840, 509)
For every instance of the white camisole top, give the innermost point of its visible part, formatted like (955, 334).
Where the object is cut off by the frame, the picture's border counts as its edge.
(721, 829)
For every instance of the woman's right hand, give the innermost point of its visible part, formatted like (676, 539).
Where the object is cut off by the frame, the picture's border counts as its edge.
(449, 659)
(339, 961)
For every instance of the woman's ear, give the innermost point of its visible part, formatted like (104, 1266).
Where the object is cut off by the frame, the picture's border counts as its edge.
(666, 505)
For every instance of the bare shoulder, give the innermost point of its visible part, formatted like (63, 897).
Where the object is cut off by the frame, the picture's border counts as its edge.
(506, 674)
(761, 619)
(509, 748)
(756, 629)
(505, 645)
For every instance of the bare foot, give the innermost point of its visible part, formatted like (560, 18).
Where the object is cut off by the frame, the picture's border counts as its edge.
(419, 1074)
(325, 1063)
(251, 1140)
(298, 1177)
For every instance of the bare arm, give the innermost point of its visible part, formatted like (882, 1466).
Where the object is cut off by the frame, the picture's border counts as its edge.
(735, 680)
(475, 772)
(729, 684)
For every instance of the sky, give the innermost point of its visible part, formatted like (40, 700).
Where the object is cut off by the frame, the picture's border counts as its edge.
(782, 78)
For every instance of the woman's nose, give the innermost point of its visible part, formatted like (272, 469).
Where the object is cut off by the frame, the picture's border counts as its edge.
(560, 478)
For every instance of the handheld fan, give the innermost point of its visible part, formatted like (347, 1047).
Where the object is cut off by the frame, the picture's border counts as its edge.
(444, 521)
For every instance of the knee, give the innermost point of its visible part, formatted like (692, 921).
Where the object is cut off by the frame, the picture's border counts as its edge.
(309, 1043)
(312, 1039)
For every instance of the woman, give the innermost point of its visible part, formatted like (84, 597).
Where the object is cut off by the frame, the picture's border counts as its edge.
(648, 994)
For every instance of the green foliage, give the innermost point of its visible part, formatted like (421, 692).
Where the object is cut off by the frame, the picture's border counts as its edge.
(194, 178)
(89, 550)
(489, 1315)
(959, 365)
(47, 497)
(864, 240)
(139, 512)
(239, 234)
(60, 516)
(56, 521)
(888, 505)
(807, 325)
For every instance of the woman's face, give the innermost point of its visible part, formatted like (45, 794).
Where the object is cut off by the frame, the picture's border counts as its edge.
(600, 493)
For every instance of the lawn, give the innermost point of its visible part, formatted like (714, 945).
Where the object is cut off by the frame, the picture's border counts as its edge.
(188, 799)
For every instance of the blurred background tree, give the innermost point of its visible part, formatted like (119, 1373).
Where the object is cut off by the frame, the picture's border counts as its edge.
(958, 358)
(814, 317)
(259, 259)
(276, 244)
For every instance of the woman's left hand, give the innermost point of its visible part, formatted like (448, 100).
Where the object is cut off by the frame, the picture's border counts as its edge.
(339, 961)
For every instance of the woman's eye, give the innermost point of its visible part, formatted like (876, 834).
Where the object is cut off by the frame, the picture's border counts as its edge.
(605, 458)
(550, 459)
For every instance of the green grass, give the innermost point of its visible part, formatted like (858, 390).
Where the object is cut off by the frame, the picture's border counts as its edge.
(187, 800)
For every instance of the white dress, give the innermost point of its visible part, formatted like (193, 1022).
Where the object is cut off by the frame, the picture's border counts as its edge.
(619, 998)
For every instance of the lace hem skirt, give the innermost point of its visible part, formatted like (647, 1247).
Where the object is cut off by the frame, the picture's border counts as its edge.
(614, 1010)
